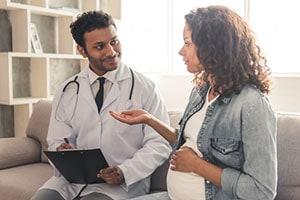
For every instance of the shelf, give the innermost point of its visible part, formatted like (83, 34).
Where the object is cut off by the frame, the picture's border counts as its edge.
(43, 7)
(53, 32)
(67, 68)
(28, 75)
(42, 55)
(26, 78)
(113, 7)
(38, 9)
(26, 100)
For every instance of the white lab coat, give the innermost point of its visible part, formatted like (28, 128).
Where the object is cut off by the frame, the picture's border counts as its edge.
(138, 150)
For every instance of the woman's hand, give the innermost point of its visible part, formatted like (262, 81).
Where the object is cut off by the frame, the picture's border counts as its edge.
(184, 160)
(132, 116)
(143, 117)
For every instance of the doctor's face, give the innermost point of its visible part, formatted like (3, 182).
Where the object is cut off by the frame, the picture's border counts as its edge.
(103, 49)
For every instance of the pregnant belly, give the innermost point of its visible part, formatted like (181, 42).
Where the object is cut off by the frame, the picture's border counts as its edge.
(185, 186)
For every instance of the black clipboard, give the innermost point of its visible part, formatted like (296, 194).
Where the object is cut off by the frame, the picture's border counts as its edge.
(79, 166)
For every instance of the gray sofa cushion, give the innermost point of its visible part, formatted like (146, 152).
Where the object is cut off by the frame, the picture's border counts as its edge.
(158, 178)
(175, 117)
(153, 196)
(20, 183)
(38, 124)
(288, 142)
(288, 147)
(18, 151)
(288, 193)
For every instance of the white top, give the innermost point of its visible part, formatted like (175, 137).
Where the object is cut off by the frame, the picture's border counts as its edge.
(183, 185)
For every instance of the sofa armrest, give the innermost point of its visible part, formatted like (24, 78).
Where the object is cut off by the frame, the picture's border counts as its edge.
(159, 178)
(18, 151)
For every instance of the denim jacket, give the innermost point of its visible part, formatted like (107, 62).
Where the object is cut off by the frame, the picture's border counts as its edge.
(238, 134)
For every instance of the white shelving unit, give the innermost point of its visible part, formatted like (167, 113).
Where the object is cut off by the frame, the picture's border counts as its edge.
(26, 76)
(34, 67)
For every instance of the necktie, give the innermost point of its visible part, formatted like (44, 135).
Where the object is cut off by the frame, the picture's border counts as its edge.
(100, 93)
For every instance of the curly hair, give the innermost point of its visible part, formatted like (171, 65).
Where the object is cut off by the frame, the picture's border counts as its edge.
(227, 49)
(87, 22)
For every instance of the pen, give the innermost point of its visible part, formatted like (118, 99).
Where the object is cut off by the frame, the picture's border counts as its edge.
(66, 140)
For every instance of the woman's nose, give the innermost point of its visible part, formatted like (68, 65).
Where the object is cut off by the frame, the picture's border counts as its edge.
(180, 52)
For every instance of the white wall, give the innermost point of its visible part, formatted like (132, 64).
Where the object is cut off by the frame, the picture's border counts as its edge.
(285, 94)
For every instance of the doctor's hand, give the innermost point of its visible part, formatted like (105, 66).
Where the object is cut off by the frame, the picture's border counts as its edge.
(132, 116)
(64, 146)
(112, 175)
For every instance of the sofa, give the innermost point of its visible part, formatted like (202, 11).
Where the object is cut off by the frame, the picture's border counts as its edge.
(24, 167)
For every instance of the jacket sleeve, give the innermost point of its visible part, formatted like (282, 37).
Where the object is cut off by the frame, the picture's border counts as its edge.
(154, 150)
(258, 178)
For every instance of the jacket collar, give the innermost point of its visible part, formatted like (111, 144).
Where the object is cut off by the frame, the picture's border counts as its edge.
(221, 99)
(224, 99)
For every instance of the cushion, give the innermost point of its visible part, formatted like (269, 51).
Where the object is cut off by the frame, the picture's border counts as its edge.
(153, 196)
(288, 148)
(288, 140)
(288, 193)
(18, 151)
(38, 124)
(175, 117)
(21, 182)
(159, 178)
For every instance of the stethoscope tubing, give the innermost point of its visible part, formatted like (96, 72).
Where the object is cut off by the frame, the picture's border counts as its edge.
(77, 91)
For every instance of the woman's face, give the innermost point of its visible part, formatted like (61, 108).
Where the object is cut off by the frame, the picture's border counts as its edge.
(189, 52)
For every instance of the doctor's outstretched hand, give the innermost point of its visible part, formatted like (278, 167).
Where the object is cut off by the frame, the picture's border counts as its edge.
(132, 116)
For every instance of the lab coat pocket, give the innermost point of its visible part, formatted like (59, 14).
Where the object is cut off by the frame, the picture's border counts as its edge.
(228, 151)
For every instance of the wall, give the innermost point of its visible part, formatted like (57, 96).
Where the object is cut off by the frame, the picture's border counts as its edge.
(285, 94)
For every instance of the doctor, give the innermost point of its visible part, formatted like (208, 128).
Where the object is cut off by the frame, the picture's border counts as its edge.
(132, 152)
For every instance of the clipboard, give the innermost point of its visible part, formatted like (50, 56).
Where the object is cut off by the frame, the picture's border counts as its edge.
(79, 166)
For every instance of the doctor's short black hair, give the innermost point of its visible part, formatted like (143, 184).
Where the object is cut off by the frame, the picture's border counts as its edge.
(87, 22)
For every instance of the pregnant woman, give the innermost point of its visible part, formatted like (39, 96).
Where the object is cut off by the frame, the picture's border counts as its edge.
(226, 146)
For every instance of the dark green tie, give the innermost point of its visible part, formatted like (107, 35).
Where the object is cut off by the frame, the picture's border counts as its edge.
(100, 93)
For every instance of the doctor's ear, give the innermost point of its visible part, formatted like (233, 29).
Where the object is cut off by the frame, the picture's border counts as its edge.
(81, 51)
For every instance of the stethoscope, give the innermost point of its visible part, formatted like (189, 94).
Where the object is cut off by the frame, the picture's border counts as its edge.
(76, 83)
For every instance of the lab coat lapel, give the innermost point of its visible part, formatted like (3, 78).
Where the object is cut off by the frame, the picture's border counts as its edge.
(112, 96)
(122, 74)
(86, 90)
